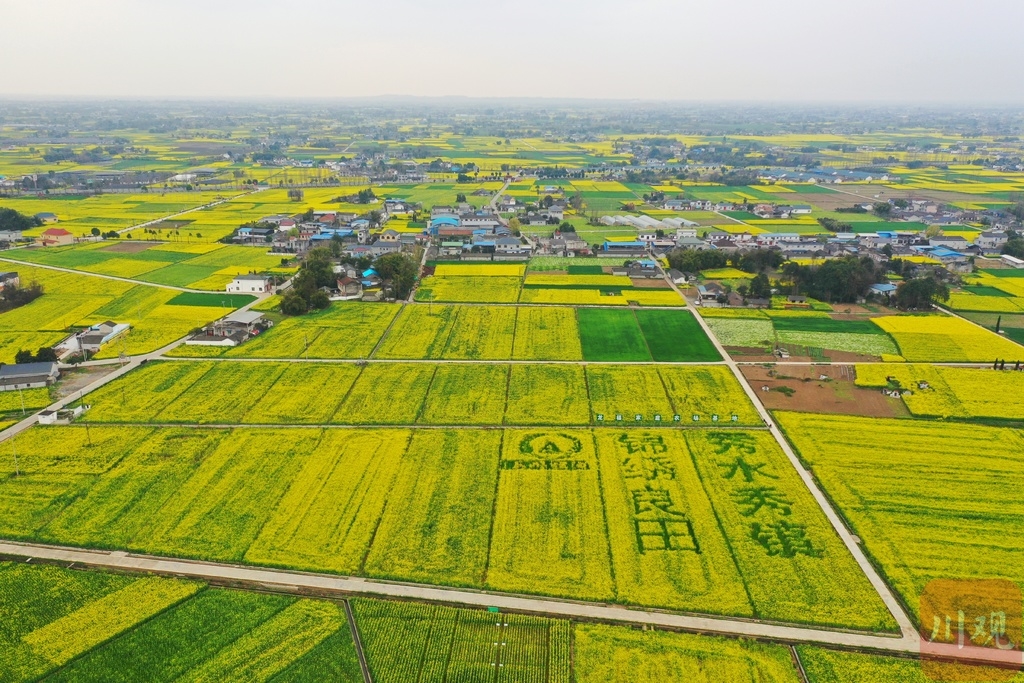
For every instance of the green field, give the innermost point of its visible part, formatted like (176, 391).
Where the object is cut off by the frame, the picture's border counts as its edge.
(611, 335)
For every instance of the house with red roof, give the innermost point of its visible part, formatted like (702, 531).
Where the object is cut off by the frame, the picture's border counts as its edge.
(56, 237)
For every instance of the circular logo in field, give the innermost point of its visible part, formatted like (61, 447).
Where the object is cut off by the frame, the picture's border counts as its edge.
(550, 445)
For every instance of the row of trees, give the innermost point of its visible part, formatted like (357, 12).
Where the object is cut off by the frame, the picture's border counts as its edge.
(748, 260)
(842, 280)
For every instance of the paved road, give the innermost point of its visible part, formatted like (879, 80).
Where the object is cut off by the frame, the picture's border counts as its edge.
(891, 603)
(291, 581)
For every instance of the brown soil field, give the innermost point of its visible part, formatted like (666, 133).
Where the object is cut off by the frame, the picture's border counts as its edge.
(130, 247)
(838, 394)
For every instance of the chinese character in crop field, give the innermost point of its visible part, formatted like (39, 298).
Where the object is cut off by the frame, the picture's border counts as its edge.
(657, 501)
(550, 444)
(727, 441)
(756, 498)
(960, 613)
(643, 443)
(648, 467)
(664, 534)
(783, 539)
(748, 470)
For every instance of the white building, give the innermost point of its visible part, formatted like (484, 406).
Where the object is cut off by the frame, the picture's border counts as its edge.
(251, 284)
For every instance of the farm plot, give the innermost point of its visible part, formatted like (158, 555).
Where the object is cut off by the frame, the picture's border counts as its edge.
(435, 527)
(935, 338)
(386, 393)
(327, 510)
(633, 393)
(609, 654)
(466, 394)
(549, 532)
(51, 615)
(482, 333)
(830, 666)
(743, 332)
(937, 391)
(944, 503)
(547, 395)
(676, 336)
(611, 335)
(409, 642)
(858, 336)
(303, 394)
(345, 330)
(224, 394)
(794, 566)
(718, 521)
(419, 332)
(469, 289)
(546, 333)
(707, 392)
(229, 635)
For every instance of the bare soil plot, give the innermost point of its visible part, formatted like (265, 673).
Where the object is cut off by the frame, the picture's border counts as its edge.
(799, 388)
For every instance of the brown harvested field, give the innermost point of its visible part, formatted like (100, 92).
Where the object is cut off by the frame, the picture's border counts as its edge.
(130, 247)
(650, 284)
(838, 394)
(851, 194)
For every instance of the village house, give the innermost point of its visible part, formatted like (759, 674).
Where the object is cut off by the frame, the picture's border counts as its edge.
(28, 376)
(251, 284)
(56, 237)
(46, 218)
(231, 330)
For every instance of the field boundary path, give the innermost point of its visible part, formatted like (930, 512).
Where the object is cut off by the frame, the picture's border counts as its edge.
(264, 578)
(852, 544)
(194, 208)
(106, 277)
(357, 642)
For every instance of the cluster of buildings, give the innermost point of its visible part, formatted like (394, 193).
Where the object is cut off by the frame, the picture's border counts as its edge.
(464, 232)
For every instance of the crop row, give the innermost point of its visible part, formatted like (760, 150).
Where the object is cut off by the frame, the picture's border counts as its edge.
(929, 499)
(268, 392)
(713, 521)
(458, 332)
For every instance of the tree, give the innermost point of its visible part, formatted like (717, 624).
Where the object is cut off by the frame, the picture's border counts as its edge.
(296, 195)
(95, 232)
(933, 231)
(460, 198)
(920, 293)
(23, 356)
(1017, 211)
(46, 355)
(882, 208)
(400, 269)
(336, 245)
(1014, 247)
(15, 221)
(760, 287)
(292, 303)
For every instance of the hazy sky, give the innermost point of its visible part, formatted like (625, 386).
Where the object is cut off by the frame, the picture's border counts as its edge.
(949, 51)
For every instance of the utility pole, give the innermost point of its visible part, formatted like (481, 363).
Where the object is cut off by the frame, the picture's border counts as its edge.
(17, 471)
